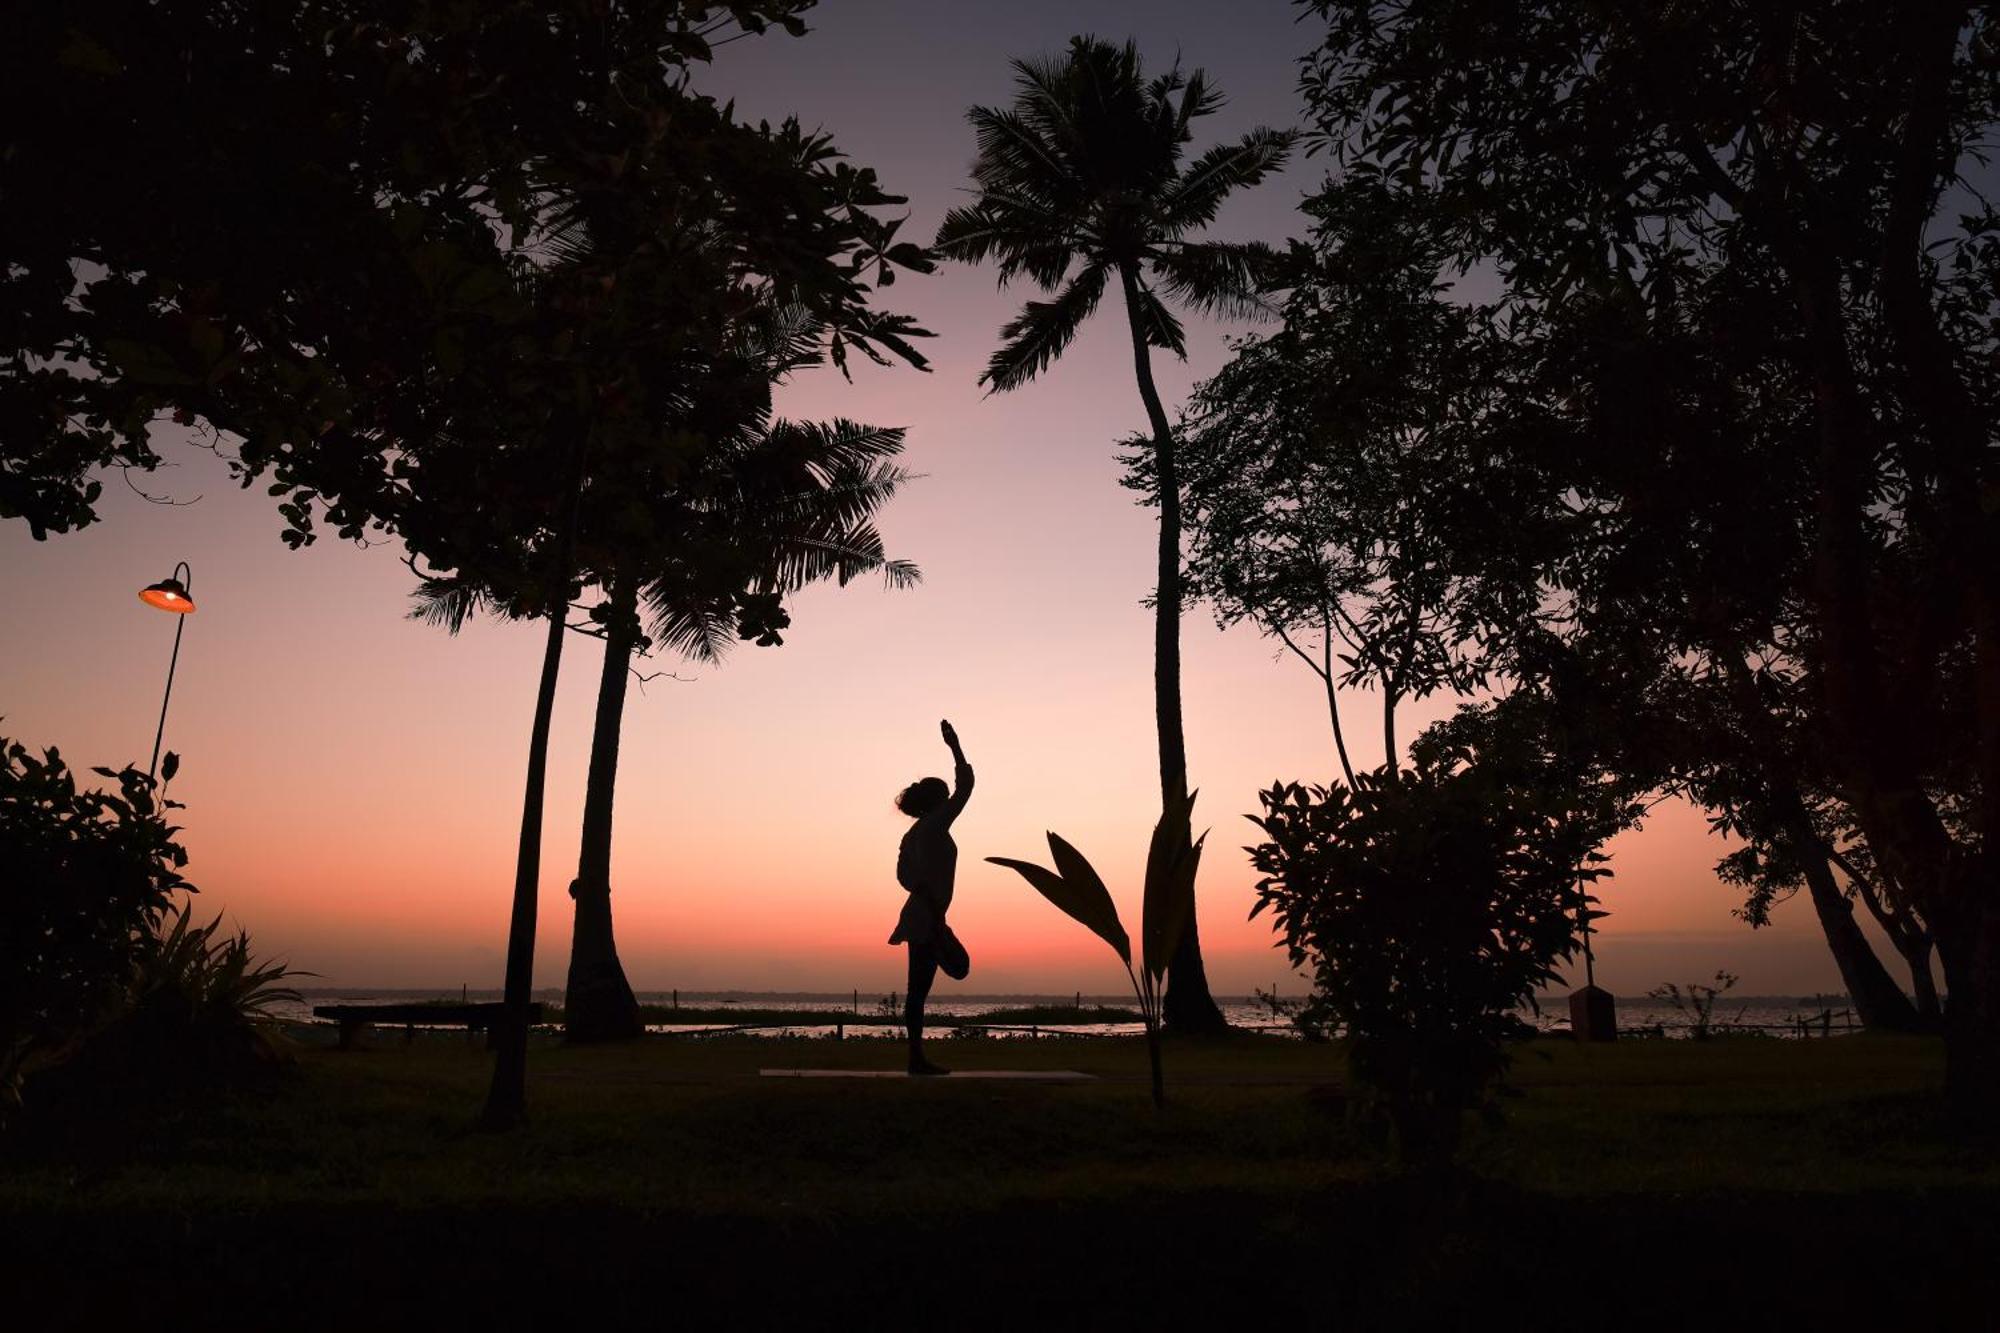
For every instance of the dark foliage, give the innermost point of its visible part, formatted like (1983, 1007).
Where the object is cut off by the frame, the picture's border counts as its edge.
(1747, 266)
(88, 874)
(1430, 905)
(193, 1017)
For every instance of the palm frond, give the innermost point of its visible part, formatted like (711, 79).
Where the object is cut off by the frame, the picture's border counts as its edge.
(899, 575)
(1011, 154)
(1200, 99)
(447, 603)
(1225, 278)
(841, 556)
(701, 629)
(837, 443)
(841, 498)
(1015, 232)
(784, 338)
(1157, 323)
(1196, 195)
(1038, 335)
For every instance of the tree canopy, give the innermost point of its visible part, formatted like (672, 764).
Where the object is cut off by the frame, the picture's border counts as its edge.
(1747, 288)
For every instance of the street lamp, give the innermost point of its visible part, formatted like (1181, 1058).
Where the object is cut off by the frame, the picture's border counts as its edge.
(169, 594)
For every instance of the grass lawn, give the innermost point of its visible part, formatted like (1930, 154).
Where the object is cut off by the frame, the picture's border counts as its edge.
(1812, 1180)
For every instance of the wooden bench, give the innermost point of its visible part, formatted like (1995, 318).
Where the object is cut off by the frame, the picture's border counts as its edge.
(472, 1017)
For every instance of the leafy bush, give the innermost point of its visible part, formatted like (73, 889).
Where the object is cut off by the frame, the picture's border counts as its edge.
(1429, 904)
(197, 1009)
(101, 973)
(88, 874)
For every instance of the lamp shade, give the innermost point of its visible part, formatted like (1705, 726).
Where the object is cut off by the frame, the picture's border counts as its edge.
(168, 595)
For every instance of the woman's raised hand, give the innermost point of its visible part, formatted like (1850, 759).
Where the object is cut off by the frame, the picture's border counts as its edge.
(950, 736)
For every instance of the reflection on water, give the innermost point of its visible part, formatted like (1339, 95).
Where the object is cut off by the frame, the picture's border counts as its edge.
(869, 1015)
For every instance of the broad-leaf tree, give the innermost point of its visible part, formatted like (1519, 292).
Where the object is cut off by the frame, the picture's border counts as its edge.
(1084, 187)
(1738, 242)
(1331, 475)
(324, 231)
(660, 245)
(286, 222)
(1355, 487)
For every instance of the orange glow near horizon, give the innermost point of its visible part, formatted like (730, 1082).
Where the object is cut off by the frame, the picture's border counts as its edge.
(353, 779)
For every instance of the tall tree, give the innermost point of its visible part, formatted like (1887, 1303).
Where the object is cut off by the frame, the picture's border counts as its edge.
(659, 242)
(774, 507)
(345, 278)
(1346, 495)
(296, 220)
(1762, 303)
(1081, 186)
(1328, 470)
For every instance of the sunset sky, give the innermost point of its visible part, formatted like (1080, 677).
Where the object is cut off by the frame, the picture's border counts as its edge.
(353, 778)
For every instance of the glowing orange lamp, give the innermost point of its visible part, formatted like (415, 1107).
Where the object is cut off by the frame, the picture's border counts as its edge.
(169, 594)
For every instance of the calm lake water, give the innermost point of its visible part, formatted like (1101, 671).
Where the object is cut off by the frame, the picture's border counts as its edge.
(1779, 1015)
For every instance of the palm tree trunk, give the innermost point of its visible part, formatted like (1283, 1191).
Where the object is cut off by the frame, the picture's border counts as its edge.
(1187, 1006)
(507, 1098)
(598, 1004)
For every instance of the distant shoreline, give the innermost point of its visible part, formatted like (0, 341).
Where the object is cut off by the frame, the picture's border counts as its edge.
(1727, 1002)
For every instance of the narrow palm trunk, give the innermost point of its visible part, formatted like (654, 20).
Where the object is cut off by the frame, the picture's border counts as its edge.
(598, 1004)
(1188, 1006)
(507, 1098)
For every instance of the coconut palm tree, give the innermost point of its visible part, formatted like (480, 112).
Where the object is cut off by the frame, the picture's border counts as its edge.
(771, 508)
(794, 508)
(1081, 186)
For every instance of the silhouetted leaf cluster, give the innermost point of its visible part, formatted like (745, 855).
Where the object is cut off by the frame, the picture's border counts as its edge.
(1429, 905)
(1744, 275)
(1081, 184)
(89, 873)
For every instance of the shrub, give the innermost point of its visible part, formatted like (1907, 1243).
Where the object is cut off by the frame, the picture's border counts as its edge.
(87, 875)
(197, 1010)
(1429, 904)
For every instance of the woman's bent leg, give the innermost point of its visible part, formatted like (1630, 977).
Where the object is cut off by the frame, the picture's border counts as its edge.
(923, 971)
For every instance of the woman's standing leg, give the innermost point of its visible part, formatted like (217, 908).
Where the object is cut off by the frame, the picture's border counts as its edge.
(923, 971)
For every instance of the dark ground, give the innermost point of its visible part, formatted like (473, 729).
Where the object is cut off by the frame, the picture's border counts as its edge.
(1735, 1183)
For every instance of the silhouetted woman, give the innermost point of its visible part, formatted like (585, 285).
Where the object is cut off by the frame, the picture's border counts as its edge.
(926, 865)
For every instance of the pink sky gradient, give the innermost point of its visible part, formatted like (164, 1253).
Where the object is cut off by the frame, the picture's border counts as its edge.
(353, 778)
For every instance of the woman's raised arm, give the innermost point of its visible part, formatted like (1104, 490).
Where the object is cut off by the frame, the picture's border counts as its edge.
(961, 777)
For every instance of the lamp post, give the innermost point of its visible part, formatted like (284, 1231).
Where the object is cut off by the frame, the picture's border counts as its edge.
(169, 594)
